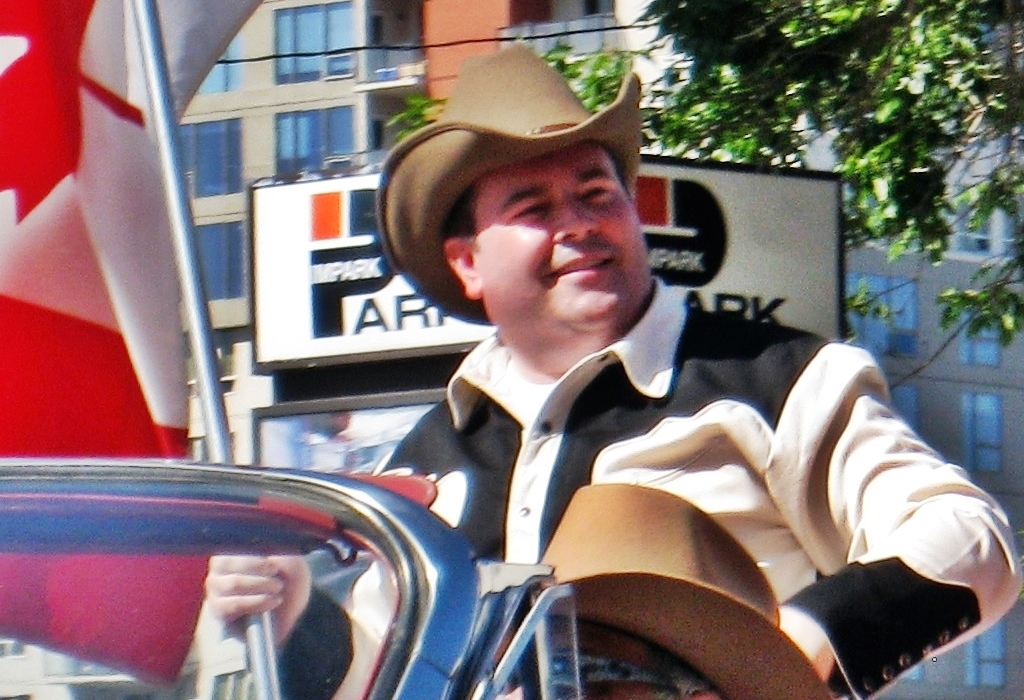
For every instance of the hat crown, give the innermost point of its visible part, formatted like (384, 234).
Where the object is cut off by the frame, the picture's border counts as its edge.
(618, 528)
(513, 91)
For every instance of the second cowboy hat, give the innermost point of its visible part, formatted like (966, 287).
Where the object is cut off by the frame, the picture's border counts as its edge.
(653, 565)
(506, 107)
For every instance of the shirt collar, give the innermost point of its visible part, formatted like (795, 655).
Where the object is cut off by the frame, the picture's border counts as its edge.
(647, 354)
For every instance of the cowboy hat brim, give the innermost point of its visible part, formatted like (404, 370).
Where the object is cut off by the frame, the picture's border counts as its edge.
(731, 644)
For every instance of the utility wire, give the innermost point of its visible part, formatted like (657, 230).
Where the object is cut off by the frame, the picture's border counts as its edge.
(437, 45)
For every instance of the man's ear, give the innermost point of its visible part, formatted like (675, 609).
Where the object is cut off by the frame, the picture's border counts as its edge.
(458, 252)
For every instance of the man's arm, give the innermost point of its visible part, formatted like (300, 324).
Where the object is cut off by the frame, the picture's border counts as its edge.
(916, 555)
(312, 632)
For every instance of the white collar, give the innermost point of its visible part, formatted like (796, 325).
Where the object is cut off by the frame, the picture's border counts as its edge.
(647, 354)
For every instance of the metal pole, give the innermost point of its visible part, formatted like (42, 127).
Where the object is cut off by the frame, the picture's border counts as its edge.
(259, 635)
(262, 660)
(164, 124)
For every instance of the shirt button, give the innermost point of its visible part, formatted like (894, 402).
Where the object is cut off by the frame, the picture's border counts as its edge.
(545, 427)
(524, 512)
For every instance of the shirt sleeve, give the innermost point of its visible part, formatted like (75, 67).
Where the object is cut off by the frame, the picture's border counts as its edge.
(317, 655)
(915, 556)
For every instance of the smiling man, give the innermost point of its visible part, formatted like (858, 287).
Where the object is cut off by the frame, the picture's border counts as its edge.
(515, 208)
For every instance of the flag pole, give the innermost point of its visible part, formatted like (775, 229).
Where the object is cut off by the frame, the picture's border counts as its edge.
(164, 123)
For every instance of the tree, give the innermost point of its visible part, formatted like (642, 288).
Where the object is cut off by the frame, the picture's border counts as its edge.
(922, 102)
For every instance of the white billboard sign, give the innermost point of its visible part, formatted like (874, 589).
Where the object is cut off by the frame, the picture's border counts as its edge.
(762, 245)
(765, 245)
(322, 287)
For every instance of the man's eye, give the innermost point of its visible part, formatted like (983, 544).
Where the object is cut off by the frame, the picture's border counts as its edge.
(531, 211)
(598, 196)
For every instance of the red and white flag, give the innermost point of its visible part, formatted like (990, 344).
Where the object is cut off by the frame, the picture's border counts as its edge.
(92, 353)
(92, 356)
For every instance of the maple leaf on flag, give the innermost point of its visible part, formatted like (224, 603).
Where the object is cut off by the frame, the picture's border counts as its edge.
(92, 358)
(40, 125)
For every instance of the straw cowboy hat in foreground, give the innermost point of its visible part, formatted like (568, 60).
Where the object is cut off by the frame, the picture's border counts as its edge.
(653, 565)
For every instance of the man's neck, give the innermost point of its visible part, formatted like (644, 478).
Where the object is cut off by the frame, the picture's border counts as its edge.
(545, 354)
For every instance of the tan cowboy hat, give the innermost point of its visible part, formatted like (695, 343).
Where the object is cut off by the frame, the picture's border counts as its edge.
(506, 107)
(653, 565)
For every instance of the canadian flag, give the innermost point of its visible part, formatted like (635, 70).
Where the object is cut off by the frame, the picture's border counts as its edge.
(92, 356)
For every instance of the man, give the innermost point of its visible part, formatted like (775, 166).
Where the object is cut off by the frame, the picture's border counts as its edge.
(669, 605)
(515, 207)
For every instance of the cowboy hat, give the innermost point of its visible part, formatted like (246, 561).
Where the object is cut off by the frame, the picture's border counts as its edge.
(506, 107)
(651, 564)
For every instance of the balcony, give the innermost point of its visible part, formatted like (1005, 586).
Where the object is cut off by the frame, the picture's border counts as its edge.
(585, 35)
(390, 68)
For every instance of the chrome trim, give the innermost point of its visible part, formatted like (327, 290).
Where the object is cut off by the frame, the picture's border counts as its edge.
(434, 569)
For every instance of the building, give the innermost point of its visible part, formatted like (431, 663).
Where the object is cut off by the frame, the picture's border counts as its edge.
(276, 115)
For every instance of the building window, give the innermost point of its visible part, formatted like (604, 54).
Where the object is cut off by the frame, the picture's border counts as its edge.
(983, 349)
(982, 417)
(968, 240)
(598, 7)
(225, 76)
(905, 400)
(222, 259)
(893, 329)
(985, 658)
(212, 154)
(312, 140)
(309, 42)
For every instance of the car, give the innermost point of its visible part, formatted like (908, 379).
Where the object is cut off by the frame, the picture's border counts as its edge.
(102, 567)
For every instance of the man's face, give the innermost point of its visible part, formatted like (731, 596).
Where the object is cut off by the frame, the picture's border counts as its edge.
(618, 666)
(558, 247)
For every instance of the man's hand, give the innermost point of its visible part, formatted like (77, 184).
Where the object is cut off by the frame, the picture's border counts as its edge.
(240, 586)
(808, 635)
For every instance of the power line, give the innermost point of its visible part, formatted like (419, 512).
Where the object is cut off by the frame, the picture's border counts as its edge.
(436, 45)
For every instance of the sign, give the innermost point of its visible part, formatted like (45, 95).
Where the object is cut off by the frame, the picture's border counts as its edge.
(764, 245)
(322, 286)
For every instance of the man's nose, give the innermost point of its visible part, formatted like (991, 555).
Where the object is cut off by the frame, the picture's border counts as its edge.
(573, 221)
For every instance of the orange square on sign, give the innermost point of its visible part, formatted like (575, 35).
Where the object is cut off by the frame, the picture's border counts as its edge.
(652, 200)
(328, 209)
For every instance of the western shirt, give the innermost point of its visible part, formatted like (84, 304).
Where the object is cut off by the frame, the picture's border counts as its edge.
(787, 439)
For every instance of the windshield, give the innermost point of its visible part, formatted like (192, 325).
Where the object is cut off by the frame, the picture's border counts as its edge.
(105, 580)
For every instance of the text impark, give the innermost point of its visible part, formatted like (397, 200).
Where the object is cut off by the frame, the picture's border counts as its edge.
(676, 260)
(347, 270)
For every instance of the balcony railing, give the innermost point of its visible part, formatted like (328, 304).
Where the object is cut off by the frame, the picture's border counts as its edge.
(585, 35)
(389, 64)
